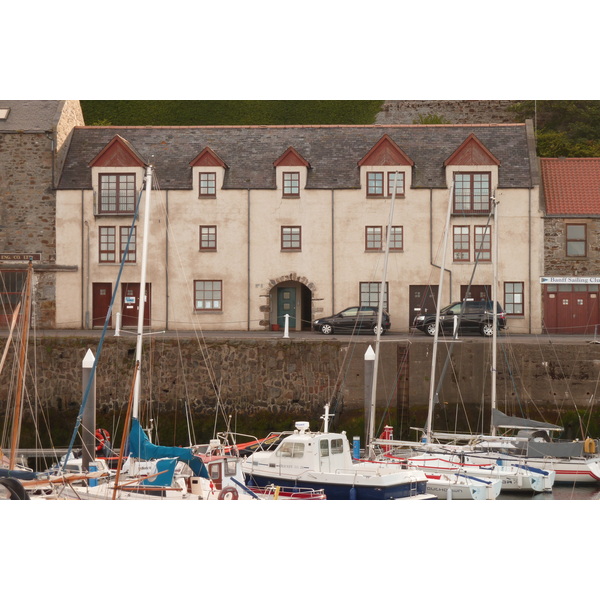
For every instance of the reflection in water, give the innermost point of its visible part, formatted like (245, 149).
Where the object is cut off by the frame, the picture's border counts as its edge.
(559, 492)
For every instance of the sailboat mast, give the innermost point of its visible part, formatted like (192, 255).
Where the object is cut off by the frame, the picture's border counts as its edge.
(429, 424)
(142, 302)
(380, 313)
(495, 317)
(16, 428)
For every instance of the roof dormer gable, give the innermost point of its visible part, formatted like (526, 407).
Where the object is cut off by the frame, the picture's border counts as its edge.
(118, 153)
(386, 153)
(291, 158)
(208, 158)
(471, 152)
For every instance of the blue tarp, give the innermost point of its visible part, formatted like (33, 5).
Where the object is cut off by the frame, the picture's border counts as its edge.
(18, 474)
(141, 447)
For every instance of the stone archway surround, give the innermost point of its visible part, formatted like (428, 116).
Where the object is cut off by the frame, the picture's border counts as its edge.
(265, 307)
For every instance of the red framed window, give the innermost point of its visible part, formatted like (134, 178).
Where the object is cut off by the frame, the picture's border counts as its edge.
(124, 236)
(461, 243)
(483, 243)
(399, 184)
(208, 185)
(107, 244)
(208, 295)
(472, 193)
(291, 238)
(514, 299)
(291, 184)
(117, 193)
(374, 184)
(397, 238)
(373, 238)
(208, 238)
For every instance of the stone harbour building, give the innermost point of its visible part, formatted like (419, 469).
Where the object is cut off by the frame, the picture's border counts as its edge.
(249, 224)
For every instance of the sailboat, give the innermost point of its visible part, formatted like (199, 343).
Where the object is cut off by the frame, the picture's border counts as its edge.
(436, 457)
(151, 471)
(532, 448)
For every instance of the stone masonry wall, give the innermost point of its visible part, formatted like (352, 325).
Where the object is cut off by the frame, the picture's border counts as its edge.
(453, 111)
(27, 210)
(555, 260)
(294, 379)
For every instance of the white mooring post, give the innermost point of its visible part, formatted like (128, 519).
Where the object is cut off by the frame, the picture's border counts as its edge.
(89, 412)
(286, 329)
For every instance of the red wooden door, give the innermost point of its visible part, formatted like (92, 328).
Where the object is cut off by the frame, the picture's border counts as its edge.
(130, 304)
(101, 296)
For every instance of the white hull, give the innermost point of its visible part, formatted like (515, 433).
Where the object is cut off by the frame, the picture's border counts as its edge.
(454, 487)
(512, 478)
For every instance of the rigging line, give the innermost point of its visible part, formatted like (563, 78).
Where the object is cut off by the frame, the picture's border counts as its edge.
(188, 291)
(104, 330)
(463, 304)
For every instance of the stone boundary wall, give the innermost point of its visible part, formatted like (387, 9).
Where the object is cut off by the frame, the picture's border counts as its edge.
(453, 111)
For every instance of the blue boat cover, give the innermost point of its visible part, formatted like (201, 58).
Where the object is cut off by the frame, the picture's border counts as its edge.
(18, 474)
(141, 447)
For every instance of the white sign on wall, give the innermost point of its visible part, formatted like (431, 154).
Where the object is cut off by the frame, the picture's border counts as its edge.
(569, 280)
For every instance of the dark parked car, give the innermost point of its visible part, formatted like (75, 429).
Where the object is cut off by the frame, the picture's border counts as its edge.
(477, 317)
(353, 319)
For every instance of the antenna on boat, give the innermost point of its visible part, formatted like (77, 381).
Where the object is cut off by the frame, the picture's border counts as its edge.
(326, 418)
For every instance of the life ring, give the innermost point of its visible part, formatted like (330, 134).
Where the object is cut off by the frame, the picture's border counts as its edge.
(228, 493)
(589, 446)
(103, 438)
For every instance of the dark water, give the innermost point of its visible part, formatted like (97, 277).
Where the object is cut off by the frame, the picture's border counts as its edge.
(559, 492)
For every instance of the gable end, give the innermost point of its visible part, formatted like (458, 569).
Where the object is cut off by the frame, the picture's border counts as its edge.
(386, 153)
(118, 153)
(472, 152)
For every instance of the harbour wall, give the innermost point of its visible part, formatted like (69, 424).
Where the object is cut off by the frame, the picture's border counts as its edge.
(270, 383)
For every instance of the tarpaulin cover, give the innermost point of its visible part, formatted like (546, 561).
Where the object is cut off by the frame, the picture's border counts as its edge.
(141, 447)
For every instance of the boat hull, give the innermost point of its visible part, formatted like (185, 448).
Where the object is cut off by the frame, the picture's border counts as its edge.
(346, 490)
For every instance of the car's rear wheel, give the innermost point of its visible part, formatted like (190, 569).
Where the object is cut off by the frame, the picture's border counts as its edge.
(327, 329)
(380, 329)
(430, 329)
(487, 329)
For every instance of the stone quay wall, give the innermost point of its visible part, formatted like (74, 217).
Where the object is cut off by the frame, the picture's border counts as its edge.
(296, 378)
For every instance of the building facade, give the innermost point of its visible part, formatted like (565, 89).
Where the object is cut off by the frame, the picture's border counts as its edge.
(571, 281)
(33, 141)
(249, 224)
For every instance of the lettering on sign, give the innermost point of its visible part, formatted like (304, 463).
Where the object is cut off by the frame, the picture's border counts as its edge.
(569, 279)
(20, 256)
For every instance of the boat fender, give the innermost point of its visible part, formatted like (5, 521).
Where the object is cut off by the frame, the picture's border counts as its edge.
(589, 446)
(228, 493)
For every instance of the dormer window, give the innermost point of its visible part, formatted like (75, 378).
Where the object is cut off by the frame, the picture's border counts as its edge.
(375, 184)
(208, 185)
(399, 179)
(291, 184)
(291, 172)
(472, 192)
(116, 193)
(4, 113)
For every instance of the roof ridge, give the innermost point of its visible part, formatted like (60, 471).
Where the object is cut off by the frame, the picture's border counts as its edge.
(323, 126)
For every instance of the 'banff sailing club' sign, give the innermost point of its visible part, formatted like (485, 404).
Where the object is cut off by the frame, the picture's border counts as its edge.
(569, 279)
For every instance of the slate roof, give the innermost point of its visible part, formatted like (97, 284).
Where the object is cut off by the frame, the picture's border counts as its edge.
(31, 115)
(333, 152)
(571, 185)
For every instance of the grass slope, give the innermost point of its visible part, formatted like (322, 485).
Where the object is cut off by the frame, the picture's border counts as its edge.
(230, 112)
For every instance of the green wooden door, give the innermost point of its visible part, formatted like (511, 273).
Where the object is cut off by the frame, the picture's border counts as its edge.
(286, 305)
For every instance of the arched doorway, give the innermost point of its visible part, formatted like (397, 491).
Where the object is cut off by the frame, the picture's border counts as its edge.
(293, 298)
